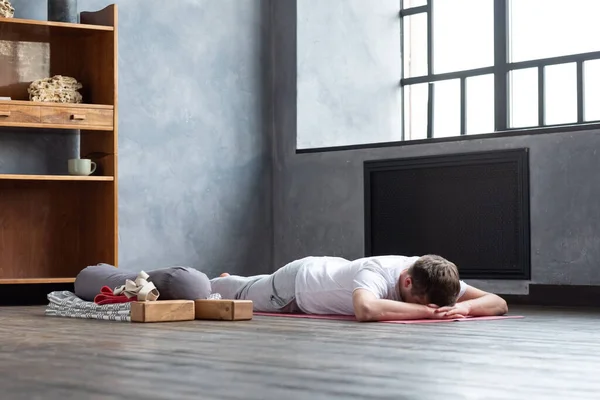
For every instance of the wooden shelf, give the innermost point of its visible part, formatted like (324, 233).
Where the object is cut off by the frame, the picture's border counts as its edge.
(18, 29)
(54, 105)
(21, 177)
(64, 25)
(35, 280)
(53, 226)
(30, 114)
(54, 126)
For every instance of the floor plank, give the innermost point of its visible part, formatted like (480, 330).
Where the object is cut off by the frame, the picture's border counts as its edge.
(551, 354)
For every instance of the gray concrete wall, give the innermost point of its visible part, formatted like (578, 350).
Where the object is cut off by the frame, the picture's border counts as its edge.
(318, 198)
(196, 160)
(348, 68)
(194, 148)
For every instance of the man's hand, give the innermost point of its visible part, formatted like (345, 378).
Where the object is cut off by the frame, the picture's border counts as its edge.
(367, 307)
(459, 310)
(474, 303)
(480, 303)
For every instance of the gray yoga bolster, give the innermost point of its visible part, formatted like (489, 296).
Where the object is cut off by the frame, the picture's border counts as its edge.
(173, 283)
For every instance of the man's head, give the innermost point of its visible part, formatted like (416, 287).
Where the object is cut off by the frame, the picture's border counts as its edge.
(430, 280)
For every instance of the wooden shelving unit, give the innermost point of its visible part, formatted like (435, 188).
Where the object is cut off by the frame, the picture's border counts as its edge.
(34, 280)
(26, 114)
(17, 177)
(32, 27)
(52, 226)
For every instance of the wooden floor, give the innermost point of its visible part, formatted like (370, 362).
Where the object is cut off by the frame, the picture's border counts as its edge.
(552, 354)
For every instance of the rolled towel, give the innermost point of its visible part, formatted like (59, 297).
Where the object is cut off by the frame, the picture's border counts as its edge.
(173, 283)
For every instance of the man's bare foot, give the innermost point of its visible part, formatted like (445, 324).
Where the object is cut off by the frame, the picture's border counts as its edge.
(223, 275)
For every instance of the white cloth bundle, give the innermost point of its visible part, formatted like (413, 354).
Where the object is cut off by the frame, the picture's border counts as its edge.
(141, 287)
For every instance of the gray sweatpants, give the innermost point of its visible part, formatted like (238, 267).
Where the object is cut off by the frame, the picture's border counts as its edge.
(269, 293)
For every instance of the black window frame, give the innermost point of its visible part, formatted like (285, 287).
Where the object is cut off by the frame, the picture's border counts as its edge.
(500, 70)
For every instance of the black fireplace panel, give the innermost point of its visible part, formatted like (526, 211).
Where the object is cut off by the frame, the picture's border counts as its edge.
(471, 208)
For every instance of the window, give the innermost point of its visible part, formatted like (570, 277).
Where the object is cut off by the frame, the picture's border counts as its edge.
(482, 66)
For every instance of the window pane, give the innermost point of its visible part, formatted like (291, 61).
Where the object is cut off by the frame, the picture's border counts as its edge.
(446, 108)
(480, 104)
(415, 45)
(415, 111)
(550, 28)
(413, 3)
(523, 98)
(591, 90)
(463, 34)
(561, 94)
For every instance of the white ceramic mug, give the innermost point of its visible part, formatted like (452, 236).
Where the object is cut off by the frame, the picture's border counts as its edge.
(81, 166)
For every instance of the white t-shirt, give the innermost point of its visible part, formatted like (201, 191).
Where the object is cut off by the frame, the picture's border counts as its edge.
(324, 285)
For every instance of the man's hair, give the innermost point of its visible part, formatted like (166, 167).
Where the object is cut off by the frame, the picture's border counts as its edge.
(435, 279)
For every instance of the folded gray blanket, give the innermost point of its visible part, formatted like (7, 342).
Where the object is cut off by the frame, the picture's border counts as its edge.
(67, 304)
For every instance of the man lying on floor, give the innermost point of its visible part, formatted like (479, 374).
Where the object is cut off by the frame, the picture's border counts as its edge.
(372, 289)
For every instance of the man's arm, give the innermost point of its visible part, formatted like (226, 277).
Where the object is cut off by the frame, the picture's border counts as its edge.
(475, 303)
(483, 303)
(367, 307)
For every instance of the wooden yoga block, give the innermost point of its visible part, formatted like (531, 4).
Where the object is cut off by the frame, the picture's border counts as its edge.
(162, 311)
(224, 310)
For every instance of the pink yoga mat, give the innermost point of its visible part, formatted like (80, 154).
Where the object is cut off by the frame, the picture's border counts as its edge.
(412, 321)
